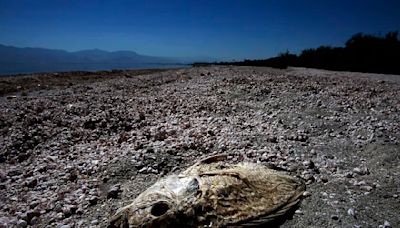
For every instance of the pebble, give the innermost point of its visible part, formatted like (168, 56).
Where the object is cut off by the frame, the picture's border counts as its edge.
(65, 226)
(299, 212)
(307, 194)
(4, 222)
(34, 221)
(113, 191)
(33, 204)
(60, 215)
(67, 211)
(29, 215)
(143, 170)
(324, 179)
(22, 223)
(366, 188)
(309, 164)
(360, 183)
(351, 212)
(349, 174)
(361, 171)
(3, 176)
(31, 182)
(386, 224)
(93, 200)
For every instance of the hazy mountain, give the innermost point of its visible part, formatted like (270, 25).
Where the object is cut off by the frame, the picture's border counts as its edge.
(27, 60)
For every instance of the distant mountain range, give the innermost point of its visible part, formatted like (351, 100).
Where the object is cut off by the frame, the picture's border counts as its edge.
(14, 60)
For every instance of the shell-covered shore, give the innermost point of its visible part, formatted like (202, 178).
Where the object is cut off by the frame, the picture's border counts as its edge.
(71, 155)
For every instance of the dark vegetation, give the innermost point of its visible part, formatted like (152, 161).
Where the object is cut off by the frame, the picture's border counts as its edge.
(361, 53)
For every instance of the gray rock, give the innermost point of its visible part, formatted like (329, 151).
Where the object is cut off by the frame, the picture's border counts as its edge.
(34, 221)
(14, 172)
(93, 200)
(65, 226)
(66, 210)
(299, 212)
(60, 215)
(113, 191)
(22, 223)
(386, 224)
(361, 171)
(33, 204)
(4, 222)
(309, 164)
(324, 179)
(366, 188)
(3, 176)
(307, 194)
(351, 212)
(31, 183)
(349, 175)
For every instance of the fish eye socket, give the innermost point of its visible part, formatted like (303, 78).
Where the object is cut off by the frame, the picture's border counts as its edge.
(193, 185)
(159, 209)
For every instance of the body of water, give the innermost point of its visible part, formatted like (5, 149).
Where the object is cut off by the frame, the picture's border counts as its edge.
(11, 69)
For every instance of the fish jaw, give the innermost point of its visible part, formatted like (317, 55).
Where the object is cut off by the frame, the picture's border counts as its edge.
(158, 206)
(136, 215)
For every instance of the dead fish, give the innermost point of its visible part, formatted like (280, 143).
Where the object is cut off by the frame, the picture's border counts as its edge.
(214, 193)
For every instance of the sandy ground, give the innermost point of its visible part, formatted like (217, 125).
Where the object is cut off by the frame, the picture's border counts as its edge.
(72, 153)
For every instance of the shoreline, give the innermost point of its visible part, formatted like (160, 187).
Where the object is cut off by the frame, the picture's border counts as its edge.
(10, 84)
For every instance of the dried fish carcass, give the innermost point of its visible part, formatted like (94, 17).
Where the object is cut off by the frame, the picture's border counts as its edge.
(214, 193)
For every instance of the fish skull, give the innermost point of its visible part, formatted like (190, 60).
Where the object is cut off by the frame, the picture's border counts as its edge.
(158, 206)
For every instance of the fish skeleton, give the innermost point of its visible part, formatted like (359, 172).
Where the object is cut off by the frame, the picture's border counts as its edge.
(214, 193)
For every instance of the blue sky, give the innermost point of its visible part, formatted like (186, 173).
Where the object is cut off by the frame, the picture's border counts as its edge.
(223, 29)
